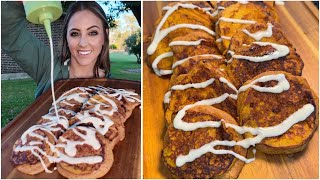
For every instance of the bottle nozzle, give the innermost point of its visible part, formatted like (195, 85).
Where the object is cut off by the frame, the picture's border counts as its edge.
(45, 19)
(47, 26)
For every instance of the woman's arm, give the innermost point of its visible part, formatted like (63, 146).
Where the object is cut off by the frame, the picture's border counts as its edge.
(20, 44)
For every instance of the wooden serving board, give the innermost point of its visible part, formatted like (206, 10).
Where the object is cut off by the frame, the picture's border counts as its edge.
(300, 21)
(127, 153)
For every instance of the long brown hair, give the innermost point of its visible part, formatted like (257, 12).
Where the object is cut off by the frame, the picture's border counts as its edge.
(103, 60)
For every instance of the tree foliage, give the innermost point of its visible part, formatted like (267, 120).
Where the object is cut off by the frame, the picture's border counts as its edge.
(133, 44)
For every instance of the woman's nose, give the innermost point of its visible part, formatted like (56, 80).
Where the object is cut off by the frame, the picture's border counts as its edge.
(83, 41)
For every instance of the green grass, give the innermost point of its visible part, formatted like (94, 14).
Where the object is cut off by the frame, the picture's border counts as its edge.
(16, 95)
(121, 62)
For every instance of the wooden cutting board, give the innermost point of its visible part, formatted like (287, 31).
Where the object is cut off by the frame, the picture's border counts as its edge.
(300, 21)
(127, 153)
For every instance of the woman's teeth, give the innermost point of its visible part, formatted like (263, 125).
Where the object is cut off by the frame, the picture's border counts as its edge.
(84, 52)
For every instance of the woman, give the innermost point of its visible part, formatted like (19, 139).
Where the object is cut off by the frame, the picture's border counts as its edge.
(85, 44)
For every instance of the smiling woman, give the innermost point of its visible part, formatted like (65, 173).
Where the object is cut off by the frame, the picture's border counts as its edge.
(84, 39)
(85, 44)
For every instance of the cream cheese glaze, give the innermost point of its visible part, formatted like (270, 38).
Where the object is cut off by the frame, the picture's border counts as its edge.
(280, 51)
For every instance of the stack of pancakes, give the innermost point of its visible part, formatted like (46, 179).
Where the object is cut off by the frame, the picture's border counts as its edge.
(230, 88)
(80, 142)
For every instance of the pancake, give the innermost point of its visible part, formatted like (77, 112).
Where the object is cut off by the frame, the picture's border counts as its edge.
(191, 54)
(240, 69)
(178, 142)
(188, 65)
(83, 142)
(271, 33)
(74, 99)
(128, 97)
(112, 129)
(26, 156)
(201, 73)
(57, 127)
(248, 13)
(262, 109)
(188, 17)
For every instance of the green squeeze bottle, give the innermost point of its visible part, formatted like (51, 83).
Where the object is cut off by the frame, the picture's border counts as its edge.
(43, 12)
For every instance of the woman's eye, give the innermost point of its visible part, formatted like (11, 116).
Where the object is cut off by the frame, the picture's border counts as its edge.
(93, 33)
(74, 34)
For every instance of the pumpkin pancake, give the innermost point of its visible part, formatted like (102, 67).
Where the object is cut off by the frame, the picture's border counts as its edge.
(240, 69)
(191, 54)
(183, 16)
(249, 13)
(264, 109)
(209, 165)
(211, 87)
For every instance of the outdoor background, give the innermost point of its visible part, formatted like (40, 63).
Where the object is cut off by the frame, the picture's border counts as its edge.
(17, 88)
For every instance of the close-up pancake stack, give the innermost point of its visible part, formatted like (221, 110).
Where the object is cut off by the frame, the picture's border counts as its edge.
(236, 84)
(80, 142)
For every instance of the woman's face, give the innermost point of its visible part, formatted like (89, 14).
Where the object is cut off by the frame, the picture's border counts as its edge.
(85, 38)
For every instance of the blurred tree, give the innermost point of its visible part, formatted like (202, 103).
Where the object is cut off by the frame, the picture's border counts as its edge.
(125, 6)
(133, 44)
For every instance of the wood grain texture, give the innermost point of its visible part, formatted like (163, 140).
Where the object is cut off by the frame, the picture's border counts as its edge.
(127, 156)
(300, 24)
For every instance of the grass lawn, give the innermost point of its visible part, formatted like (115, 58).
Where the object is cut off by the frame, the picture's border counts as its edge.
(121, 62)
(16, 95)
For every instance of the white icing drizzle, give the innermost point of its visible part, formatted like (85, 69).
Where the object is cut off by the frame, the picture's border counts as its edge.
(193, 85)
(239, 21)
(51, 74)
(101, 125)
(223, 37)
(281, 50)
(157, 60)
(119, 93)
(200, 85)
(217, 11)
(202, 55)
(186, 43)
(30, 132)
(179, 124)
(167, 97)
(261, 133)
(260, 34)
(163, 33)
(206, 9)
(243, 1)
(283, 84)
(224, 80)
(88, 138)
(160, 34)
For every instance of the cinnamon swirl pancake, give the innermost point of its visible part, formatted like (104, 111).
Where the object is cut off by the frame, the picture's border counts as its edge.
(84, 153)
(31, 153)
(128, 97)
(74, 98)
